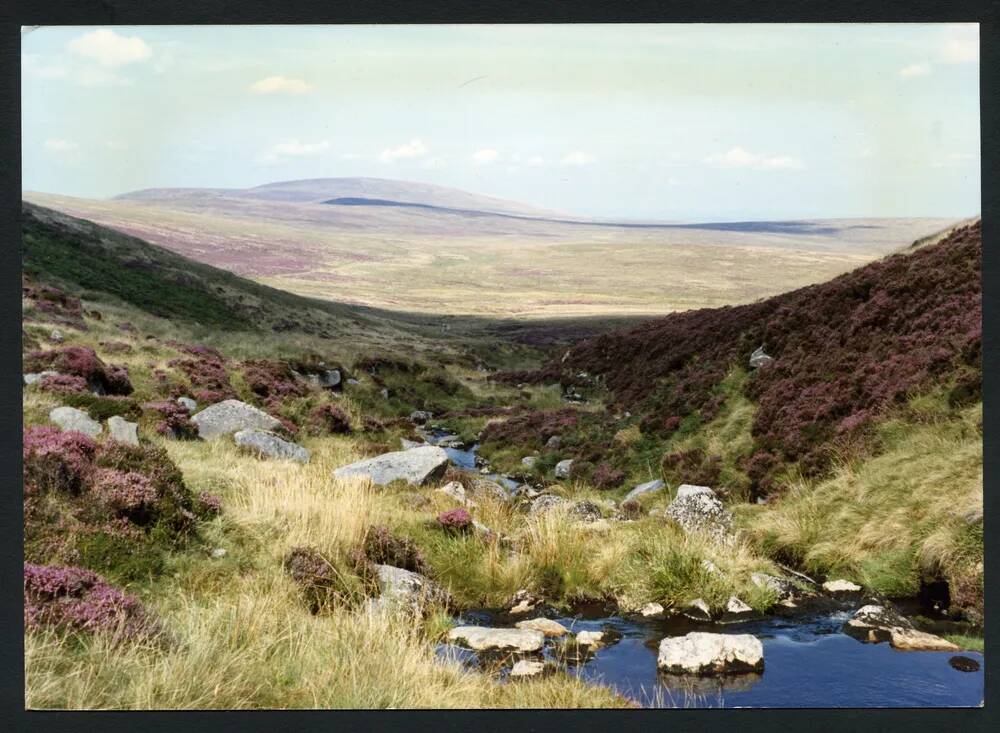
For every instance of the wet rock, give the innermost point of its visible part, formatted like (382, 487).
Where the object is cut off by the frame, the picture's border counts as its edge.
(697, 610)
(964, 664)
(189, 404)
(231, 416)
(416, 466)
(650, 487)
(709, 654)
(546, 625)
(563, 468)
(696, 509)
(419, 417)
(70, 418)
(266, 444)
(841, 586)
(527, 668)
(874, 624)
(482, 639)
(123, 431)
(399, 588)
(652, 610)
(759, 359)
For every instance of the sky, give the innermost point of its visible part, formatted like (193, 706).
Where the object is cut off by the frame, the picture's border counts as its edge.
(669, 122)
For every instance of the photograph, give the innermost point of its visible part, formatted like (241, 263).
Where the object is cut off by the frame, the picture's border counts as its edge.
(502, 365)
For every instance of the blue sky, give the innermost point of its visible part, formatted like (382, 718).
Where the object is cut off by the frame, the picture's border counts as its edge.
(668, 122)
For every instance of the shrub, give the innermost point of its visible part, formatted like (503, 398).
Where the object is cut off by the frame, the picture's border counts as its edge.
(206, 374)
(382, 547)
(55, 460)
(79, 361)
(63, 384)
(174, 419)
(631, 509)
(329, 418)
(531, 430)
(315, 576)
(455, 520)
(273, 378)
(126, 494)
(691, 467)
(208, 505)
(54, 303)
(78, 600)
(607, 477)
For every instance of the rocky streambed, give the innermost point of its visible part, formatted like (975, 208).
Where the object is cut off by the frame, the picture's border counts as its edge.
(808, 661)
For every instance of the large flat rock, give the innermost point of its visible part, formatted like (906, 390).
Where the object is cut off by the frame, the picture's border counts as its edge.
(231, 416)
(70, 418)
(483, 639)
(706, 654)
(416, 466)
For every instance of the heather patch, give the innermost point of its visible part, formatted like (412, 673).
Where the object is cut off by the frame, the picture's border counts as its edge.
(208, 377)
(172, 419)
(382, 547)
(329, 419)
(63, 384)
(455, 520)
(80, 361)
(270, 378)
(53, 304)
(77, 600)
(55, 460)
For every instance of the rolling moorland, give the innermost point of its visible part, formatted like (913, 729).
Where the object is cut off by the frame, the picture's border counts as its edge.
(169, 568)
(420, 248)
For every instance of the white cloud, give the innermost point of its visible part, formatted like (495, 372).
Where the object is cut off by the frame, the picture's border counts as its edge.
(535, 161)
(280, 85)
(293, 149)
(961, 46)
(739, 158)
(486, 156)
(413, 149)
(109, 49)
(56, 145)
(913, 70)
(577, 157)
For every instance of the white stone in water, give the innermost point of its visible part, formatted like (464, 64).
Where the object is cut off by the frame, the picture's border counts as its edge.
(546, 625)
(704, 653)
(70, 418)
(652, 610)
(482, 638)
(590, 638)
(527, 668)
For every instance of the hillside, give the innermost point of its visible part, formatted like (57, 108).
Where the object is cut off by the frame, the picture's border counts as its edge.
(412, 247)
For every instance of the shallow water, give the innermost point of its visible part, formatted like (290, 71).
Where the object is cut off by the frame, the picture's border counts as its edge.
(808, 662)
(466, 458)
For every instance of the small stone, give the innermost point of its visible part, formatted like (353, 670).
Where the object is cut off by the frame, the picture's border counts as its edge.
(590, 638)
(529, 461)
(698, 610)
(736, 606)
(56, 336)
(547, 626)
(522, 607)
(650, 487)
(33, 377)
(759, 359)
(353, 382)
(964, 664)
(527, 668)
(652, 610)
(187, 403)
(385, 393)
(219, 552)
(123, 431)
(419, 417)
(563, 468)
(710, 567)
(455, 490)
(554, 443)
(841, 586)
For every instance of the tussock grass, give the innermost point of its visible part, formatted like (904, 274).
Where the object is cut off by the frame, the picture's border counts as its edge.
(914, 510)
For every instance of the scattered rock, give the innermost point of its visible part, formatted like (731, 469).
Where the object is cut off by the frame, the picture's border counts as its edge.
(563, 467)
(546, 625)
(330, 379)
(554, 443)
(652, 610)
(912, 640)
(585, 511)
(841, 586)
(784, 589)
(707, 654)
(523, 602)
(964, 664)
(759, 359)
(416, 466)
(70, 418)
(419, 417)
(268, 445)
(546, 502)
(650, 487)
(56, 336)
(218, 553)
(455, 490)
(123, 431)
(401, 588)
(33, 377)
(736, 607)
(698, 610)
(385, 393)
(353, 382)
(527, 668)
(231, 416)
(696, 509)
(482, 639)
(410, 444)
(481, 487)
(187, 403)
(529, 461)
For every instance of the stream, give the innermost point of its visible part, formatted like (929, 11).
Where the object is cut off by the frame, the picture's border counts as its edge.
(808, 660)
